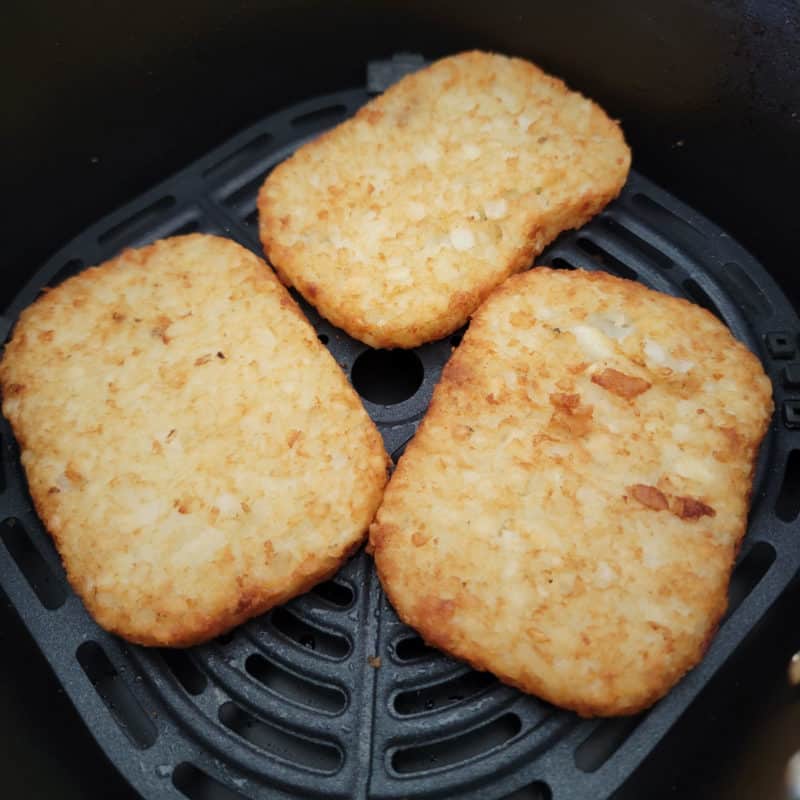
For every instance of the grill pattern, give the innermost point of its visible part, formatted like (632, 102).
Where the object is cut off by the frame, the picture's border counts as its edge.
(332, 696)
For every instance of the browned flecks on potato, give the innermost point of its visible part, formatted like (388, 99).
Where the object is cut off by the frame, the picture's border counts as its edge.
(400, 221)
(194, 450)
(683, 507)
(627, 386)
(568, 513)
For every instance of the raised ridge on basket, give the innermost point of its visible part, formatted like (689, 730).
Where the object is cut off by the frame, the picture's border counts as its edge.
(321, 118)
(241, 157)
(242, 199)
(198, 785)
(284, 683)
(741, 285)
(459, 689)
(635, 248)
(464, 747)
(298, 750)
(663, 218)
(312, 637)
(122, 232)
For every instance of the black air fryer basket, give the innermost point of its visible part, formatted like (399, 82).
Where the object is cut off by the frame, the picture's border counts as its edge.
(331, 695)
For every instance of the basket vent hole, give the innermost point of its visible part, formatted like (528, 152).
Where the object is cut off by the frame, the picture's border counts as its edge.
(457, 749)
(125, 230)
(190, 226)
(243, 198)
(241, 158)
(458, 336)
(700, 296)
(538, 790)
(412, 648)
(787, 505)
(48, 587)
(226, 638)
(294, 688)
(295, 749)
(323, 337)
(643, 248)
(116, 695)
(322, 642)
(605, 260)
(748, 573)
(387, 377)
(742, 286)
(441, 695)
(337, 594)
(184, 669)
(607, 737)
(72, 267)
(321, 117)
(561, 263)
(196, 785)
(7, 452)
(663, 219)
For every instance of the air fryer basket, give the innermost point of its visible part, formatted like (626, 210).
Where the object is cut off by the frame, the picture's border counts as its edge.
(331, 695)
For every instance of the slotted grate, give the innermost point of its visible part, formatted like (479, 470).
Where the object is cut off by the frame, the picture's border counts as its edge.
(331, 696)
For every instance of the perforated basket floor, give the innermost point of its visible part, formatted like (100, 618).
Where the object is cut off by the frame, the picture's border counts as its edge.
(331, 696)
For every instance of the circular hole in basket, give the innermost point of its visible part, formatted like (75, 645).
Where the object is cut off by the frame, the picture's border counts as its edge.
(387, 377)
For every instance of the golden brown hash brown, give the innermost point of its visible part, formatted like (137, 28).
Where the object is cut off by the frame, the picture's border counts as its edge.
(568, 513)
(195, 452)
(399, 222)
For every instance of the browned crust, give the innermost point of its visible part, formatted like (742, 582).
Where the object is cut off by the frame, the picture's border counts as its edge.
(462, 304)
(193, 631)
(325, 298)
(248, 605)
(191, 627)
(431, 632)
(429, 616)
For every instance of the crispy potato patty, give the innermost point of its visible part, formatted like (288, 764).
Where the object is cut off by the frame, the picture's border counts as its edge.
(195, 452)
(400, 221)
(568, 514)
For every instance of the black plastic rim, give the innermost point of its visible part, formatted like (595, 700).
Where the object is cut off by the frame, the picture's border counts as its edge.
(331, 696)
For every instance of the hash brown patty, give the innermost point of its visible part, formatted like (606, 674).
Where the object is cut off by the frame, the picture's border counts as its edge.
(568, 514)
(398, 223)
(195, 452)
